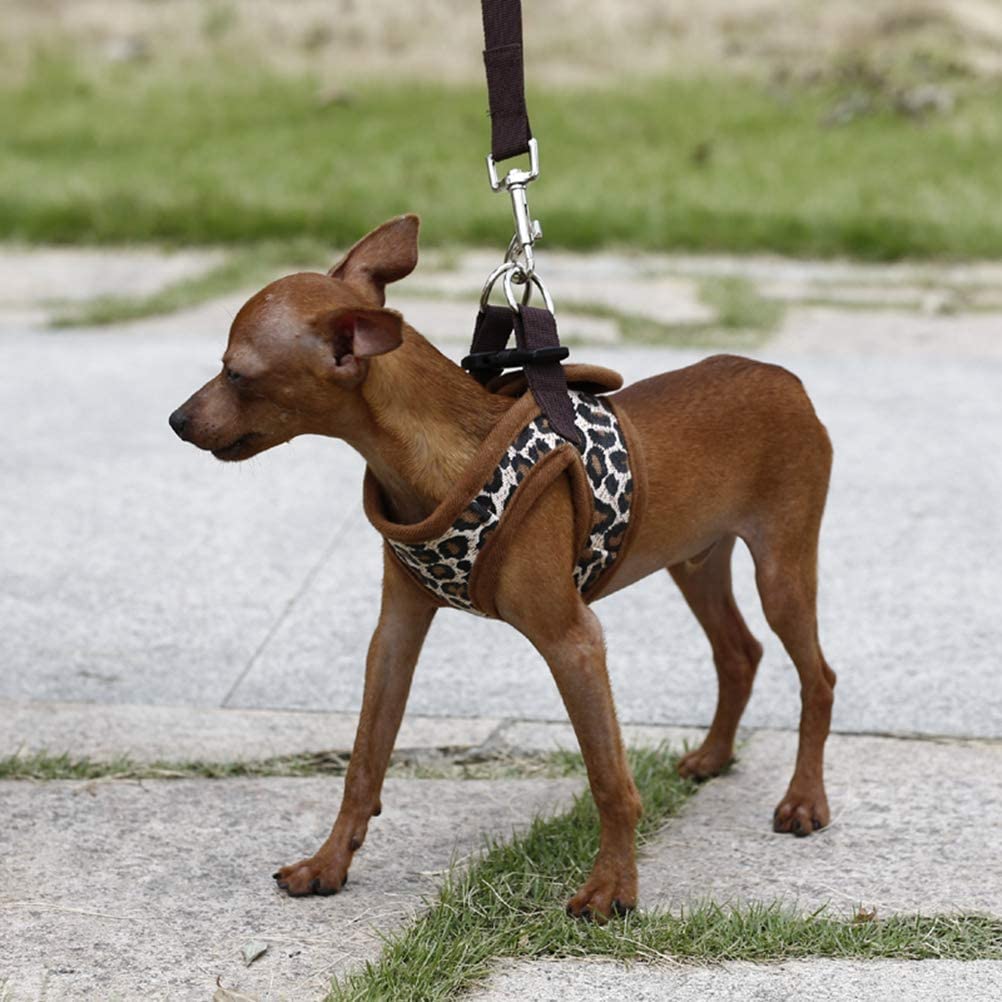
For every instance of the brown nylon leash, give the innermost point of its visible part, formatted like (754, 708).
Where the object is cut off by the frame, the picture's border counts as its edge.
(510, 132)
(538, 350)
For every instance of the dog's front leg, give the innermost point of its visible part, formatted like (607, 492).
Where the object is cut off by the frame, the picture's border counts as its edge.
(569, 637)
(404, 618)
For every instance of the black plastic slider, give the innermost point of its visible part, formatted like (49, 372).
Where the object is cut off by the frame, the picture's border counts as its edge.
(512, 358)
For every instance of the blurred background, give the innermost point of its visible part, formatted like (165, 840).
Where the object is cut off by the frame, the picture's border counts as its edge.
(796, 126)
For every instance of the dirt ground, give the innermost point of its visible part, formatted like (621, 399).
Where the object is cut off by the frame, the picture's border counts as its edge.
(566, 41)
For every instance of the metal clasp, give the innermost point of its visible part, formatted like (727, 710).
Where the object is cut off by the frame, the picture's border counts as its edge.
(517, 268)
(527, 229)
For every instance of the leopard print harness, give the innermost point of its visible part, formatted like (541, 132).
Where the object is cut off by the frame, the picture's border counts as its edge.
(443, 565)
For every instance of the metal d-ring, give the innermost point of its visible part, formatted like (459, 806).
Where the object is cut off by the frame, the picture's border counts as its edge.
(530, 281)
(485, 294)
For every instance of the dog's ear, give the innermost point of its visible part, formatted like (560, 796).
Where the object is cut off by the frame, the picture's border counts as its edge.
(354, 335)
(385, 255)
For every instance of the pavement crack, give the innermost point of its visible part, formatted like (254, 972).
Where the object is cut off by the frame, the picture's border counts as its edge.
(304, 587)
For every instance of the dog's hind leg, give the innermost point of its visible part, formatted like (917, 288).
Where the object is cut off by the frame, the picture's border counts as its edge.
(404, 618)
(785, 555)
(736, 653)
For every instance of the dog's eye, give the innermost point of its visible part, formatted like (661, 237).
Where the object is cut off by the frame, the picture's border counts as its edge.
(233, 376)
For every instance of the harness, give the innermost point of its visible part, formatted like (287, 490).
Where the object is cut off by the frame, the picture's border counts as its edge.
(456, 553)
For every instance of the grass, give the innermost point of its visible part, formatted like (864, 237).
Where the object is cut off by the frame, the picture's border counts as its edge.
(738, 305)
(233, 155)
(510, 904)
(443, 764)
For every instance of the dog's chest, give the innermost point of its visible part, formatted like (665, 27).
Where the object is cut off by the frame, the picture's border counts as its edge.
(444, 564)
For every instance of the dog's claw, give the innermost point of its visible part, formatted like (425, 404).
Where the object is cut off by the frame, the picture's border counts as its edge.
(319, 876)
(801, 814)
(704, 763)
(611, 890)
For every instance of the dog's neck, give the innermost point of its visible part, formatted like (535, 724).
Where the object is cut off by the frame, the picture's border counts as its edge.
(426, 419)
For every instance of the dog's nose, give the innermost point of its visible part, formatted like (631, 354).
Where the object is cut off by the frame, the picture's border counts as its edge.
(179, 422)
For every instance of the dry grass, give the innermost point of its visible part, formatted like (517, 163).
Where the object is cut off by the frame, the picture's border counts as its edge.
(441, 39)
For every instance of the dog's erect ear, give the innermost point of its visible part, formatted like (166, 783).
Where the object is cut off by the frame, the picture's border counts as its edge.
(385, 255)
(357, 334)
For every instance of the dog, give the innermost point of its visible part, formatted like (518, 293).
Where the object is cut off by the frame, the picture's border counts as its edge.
(731, 448)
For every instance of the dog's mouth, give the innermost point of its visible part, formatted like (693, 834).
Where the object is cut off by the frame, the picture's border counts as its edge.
(242, 448)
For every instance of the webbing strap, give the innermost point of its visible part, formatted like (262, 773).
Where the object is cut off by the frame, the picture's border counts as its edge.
(490, 334)
(534, 329)
(510, 132)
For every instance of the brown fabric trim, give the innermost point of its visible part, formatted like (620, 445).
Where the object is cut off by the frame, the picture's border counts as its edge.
(584, 504)
(487, 567)
(588, 378)
(638, 469)
(468, 486)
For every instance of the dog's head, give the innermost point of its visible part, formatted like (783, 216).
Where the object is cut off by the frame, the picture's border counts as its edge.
(299, 350)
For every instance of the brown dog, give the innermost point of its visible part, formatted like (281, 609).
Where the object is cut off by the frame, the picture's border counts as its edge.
(733, 450)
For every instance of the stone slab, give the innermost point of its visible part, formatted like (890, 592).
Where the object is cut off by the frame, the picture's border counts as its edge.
(910, 832)
(45, 275)
(208, 734)
(818, 980)
(889, 334)
(115, 890)
(548, 736)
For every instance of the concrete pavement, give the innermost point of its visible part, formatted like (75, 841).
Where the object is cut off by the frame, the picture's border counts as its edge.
(818, 980)
(158, 604)
(139, 570)
(152, 890)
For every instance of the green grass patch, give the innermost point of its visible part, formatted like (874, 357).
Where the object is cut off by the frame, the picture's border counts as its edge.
(442, 763)
(738, 305)
(229, 154)
(510, 903)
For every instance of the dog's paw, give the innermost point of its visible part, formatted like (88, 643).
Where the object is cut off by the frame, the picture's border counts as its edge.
(801, 814)
(312, 876)
(704, 762)
(609, 891)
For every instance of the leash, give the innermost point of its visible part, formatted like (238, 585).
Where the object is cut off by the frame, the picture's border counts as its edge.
(538, 350)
